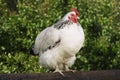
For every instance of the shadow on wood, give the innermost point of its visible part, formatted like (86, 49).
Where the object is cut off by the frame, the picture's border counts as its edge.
(78, 75)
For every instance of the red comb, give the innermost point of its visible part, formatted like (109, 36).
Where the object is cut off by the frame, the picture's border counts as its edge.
(75, 10)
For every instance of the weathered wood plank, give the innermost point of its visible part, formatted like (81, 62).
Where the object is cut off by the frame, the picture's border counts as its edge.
(78, 75)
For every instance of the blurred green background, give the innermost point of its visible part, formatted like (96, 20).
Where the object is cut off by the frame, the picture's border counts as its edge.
(22, 20)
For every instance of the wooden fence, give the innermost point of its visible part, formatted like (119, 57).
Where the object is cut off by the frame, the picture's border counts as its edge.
(78, 75)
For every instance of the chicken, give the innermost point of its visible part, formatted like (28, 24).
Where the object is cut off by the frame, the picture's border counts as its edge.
(58, 44)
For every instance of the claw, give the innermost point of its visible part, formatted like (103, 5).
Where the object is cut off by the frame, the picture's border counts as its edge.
(72, 70)
(59, 71)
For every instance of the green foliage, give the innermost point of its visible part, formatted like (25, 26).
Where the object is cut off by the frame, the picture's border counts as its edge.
(101, 22)
(20, 24)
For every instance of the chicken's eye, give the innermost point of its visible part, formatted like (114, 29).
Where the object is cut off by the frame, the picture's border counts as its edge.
(72, 15)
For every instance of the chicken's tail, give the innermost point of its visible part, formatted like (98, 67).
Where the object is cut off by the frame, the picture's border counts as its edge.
(33, 51)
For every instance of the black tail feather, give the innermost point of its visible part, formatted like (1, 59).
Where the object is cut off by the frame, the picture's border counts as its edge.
(32, 52)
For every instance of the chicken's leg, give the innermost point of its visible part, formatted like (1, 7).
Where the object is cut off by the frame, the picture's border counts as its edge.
(58, 70)
(67, 69)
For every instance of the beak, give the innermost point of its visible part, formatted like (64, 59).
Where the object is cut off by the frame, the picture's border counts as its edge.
(78, 17)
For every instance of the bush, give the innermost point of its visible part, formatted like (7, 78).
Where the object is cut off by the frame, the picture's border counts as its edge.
(21, 23)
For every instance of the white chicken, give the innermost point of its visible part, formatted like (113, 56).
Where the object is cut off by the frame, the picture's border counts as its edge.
(58, 44)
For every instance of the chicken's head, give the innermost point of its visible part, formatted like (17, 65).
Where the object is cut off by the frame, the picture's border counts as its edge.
(74, 15)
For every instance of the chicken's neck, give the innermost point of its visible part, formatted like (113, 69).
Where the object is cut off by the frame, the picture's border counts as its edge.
(61, 24)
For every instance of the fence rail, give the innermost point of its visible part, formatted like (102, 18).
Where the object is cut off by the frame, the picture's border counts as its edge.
(78, 75)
